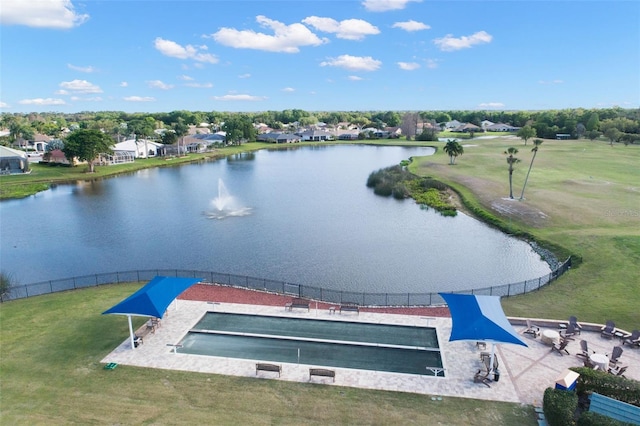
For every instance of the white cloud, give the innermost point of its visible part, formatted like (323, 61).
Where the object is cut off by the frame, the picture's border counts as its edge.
(288, 89)
(349, 29)
(408, 66)
(139, 99)
(449, 43)
(355, 78)
(54, 14)
(200, 85)
(41, 101)
(491, 105)
(90, 99)
(411, 25)
(158, 84)
(285, 38)
(239, 98)
(247, 75)
(80, 86)
(61, 92)
(174, 50)
(123, 84)
(385, 5)
(432, 63)
(186, 78)
(4, 105)
(551, 82)
(353, 63)
(88, 69)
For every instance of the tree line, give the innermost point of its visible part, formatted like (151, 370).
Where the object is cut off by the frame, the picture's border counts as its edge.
(616, 124)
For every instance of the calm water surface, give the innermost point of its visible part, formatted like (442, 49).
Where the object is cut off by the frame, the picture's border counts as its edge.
(308, 218)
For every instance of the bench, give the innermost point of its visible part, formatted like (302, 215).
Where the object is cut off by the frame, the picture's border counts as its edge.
(322, 372)
(297, 303)
(350, 308)
(268, 367)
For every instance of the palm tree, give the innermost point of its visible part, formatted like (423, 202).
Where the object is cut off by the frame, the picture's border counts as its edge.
(453, 148)
(536, 144)
(511, 160)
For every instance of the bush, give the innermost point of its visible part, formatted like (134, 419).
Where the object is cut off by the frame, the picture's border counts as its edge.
(560, 407)
(589, 418)
(606, 384)
(6, 282)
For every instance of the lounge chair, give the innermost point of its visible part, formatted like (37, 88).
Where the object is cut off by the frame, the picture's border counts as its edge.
(561, 348)
(585, 350)
(618, 370)
(633, 340)
(615, 355)
(532, 329)
(608, 330)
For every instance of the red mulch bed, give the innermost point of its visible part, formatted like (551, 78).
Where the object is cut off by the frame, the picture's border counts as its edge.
(225, 294)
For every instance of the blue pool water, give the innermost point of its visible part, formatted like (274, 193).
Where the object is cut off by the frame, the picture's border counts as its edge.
(366, 346)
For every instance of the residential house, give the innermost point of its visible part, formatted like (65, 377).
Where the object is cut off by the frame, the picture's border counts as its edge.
(315, 135)
(501, 127)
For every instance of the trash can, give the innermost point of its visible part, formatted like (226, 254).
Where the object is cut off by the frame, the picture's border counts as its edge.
(496, 375)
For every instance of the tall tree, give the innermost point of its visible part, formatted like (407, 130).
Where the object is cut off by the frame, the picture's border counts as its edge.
(526, 133)
(536, 145)
(511, 160)
(453, 149)
(87, 145)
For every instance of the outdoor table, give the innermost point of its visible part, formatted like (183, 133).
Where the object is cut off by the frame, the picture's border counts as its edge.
(601, 361)
(550, 337)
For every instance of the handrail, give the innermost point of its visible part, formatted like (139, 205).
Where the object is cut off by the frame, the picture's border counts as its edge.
(278, 287)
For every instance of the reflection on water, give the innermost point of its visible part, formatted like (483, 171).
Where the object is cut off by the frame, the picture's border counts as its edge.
(307, 218)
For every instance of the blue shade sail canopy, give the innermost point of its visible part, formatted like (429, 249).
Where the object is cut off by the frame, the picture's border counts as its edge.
(154, 298)
(479, 318)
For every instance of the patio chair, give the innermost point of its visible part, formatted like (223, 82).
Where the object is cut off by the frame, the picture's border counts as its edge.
(576, 325)
(570, 331)
(615, 355)
(589, 364)
(561, 348)
(608, 330)
(532, 329)
(633, 340)
(618, 370)
(485, 357)
(482, 376)
(585, 350)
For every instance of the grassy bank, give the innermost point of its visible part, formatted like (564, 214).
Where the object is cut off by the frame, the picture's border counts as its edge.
(42, 176)
(50, 373)
(582, 198)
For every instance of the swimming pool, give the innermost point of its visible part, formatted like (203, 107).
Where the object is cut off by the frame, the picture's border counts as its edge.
(367, 346)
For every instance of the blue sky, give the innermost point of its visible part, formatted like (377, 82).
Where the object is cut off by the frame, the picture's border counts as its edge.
(321, 55)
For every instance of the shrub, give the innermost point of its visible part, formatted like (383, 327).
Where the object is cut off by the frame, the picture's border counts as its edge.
(589, 418)
(560, 407)
(606, 384)
(6, 282)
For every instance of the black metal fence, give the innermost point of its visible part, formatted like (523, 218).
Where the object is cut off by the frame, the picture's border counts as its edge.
(279, 287)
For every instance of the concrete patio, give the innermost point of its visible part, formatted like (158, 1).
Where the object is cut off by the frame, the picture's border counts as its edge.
(525, 372)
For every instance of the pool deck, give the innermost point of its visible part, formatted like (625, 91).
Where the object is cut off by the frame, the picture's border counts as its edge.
(525, 372)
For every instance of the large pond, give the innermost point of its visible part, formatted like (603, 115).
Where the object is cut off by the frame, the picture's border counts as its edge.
(302, 215)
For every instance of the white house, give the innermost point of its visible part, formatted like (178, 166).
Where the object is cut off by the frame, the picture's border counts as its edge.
(141, 148)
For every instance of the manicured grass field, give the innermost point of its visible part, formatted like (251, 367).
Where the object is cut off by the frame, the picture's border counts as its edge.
(582, 196)
(50, 373)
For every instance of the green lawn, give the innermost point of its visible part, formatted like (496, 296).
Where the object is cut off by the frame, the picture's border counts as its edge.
(582, 196)
(50, 373)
